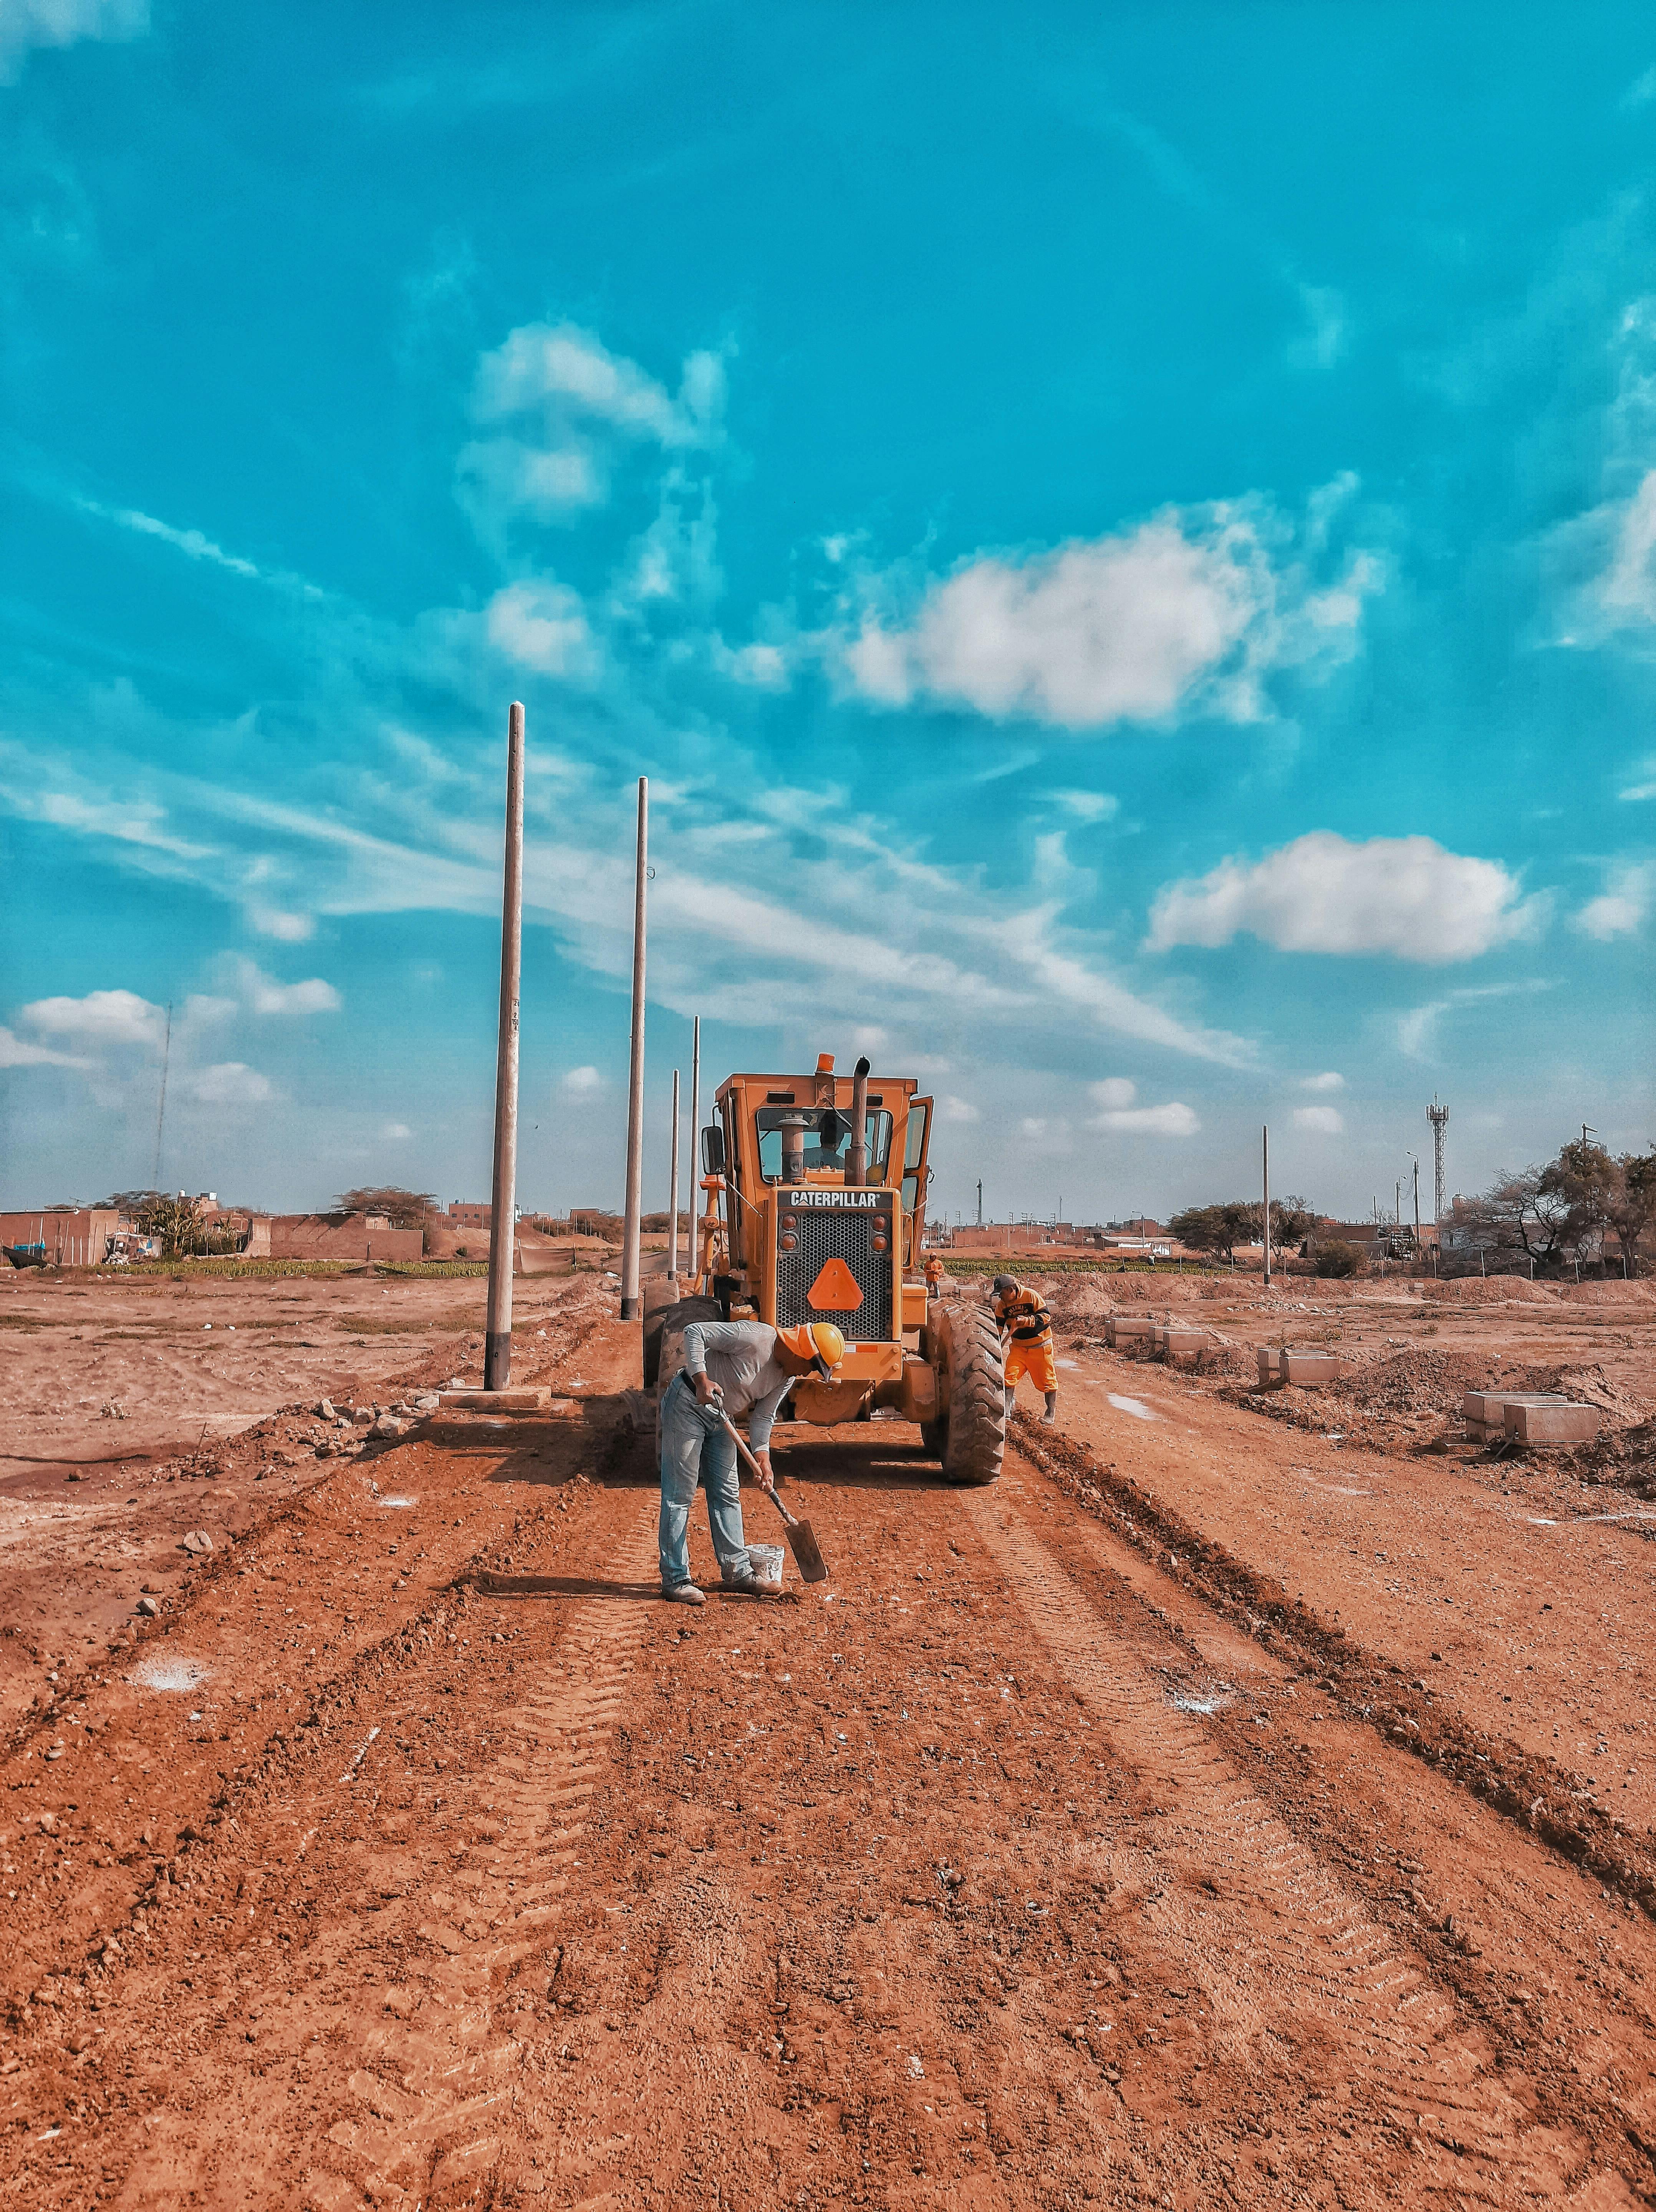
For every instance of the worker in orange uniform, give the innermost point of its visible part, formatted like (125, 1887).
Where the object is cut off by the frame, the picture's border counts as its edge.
(1025, 1328)
(933, 1277)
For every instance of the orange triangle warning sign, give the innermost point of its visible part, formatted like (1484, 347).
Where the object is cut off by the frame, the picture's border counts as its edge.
(834, 1290)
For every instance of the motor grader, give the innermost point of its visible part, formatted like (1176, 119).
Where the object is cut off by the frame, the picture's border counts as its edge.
(816, 1189)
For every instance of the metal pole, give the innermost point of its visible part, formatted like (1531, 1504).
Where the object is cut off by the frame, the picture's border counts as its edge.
(503, 1212)
(1264, 1166)
(631, 1303)
(672, 1191)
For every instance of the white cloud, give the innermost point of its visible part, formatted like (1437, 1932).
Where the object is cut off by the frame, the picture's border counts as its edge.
(1645, 785)
(18, 1051)
(1622, 908)
(101, 1018)
(573, 406)
(396, 1133)
(1173, 1120)
(228, 1083)
(1033, 1125)
(542, 625)
(868, 1037)
(28, 23)
(1189, 610)
(1321, 1120)
(957, 1109)
(1402, 896)
(1115, 1092)
(1331, 1081)
(281, 923)
(265, 996)
(1087, 805)
(1642, 91)
(582, 1080)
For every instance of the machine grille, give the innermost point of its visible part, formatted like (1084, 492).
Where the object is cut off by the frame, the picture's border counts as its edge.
(831, 1233)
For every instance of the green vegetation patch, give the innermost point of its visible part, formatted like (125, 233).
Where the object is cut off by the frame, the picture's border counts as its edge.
(417, 1270)
(223, 1270)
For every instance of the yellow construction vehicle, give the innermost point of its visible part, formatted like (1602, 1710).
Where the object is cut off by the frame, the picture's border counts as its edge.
(816, 1209)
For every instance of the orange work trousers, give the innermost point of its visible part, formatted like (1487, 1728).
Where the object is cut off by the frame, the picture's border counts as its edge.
(1034, 1360)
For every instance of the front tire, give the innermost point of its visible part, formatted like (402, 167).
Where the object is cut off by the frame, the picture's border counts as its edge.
(974, 1432)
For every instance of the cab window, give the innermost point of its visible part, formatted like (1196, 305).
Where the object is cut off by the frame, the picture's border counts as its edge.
(914, 1155)
(827, 1141)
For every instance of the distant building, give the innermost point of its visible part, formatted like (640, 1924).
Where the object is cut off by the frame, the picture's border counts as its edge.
(342, 1237)
(465, 1213)
(63, 1236)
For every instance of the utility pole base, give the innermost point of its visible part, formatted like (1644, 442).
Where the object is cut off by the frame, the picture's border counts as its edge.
(497, 1361)
(631, 1308)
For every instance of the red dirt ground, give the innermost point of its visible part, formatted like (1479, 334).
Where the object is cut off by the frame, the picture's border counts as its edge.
(1110, 1835)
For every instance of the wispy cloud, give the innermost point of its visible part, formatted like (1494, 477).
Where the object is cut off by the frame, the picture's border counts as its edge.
(25, 24)
(1417, 1029)
(1319, 1120)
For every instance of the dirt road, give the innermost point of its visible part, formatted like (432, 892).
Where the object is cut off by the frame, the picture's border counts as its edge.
(1024, 1862)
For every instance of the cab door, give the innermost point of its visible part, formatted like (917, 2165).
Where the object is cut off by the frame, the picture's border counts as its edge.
(916, 1174)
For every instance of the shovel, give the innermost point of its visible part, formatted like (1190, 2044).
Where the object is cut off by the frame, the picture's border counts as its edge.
(807, 1552)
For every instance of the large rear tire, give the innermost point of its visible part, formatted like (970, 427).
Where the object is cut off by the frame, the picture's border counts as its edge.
(972, 1384)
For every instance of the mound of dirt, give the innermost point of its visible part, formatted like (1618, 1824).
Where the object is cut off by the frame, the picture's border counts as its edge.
(1611, 1294)
(1490, 1291)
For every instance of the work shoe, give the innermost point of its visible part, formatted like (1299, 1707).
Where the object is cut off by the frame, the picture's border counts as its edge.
(1012, 1400)
(1049, 1417)
(683, 1594)
(751, 1586)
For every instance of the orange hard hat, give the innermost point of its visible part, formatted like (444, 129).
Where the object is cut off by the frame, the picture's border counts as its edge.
(817, 1340)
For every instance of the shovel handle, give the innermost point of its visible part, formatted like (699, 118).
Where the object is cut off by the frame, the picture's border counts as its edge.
(740, 1442)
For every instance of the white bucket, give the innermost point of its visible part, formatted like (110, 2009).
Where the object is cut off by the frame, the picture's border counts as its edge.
(765, 1560)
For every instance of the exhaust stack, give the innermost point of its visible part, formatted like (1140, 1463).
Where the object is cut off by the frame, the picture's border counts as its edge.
(856, 1161)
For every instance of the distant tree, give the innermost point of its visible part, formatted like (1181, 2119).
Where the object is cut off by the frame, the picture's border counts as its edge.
(1216, 1228)
(1632, 1204)
(1338, 1258)
(1292, 1220)
(1586, 1179)
(402, 1209)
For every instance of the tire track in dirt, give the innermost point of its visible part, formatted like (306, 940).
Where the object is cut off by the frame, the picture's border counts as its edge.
(1292, 1954)
(433, 2105)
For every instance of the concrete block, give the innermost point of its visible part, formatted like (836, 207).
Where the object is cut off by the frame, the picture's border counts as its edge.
(1270, 1358)
(1556, 1423)
(492, 1401)
(1184, 1343)
(1129, 1329)
(1311, 1366)
(1485, 1411)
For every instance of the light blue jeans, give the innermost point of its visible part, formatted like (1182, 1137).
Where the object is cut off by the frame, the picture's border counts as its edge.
(695, 1448)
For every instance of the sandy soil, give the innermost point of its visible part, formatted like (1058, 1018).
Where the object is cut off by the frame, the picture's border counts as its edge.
(1112, 1834)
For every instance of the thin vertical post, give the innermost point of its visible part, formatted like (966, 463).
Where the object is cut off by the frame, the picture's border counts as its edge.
(503, 1214)
(1265, 1170)
(672, 1191)
(631, 1303)
(694, 1108)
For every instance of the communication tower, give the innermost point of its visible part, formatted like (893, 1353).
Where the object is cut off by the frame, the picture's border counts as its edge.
(1439, 1117)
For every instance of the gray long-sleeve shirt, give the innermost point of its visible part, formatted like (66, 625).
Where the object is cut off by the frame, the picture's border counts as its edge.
(740, 1357)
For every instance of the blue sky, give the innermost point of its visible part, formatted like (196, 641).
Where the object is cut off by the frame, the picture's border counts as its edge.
(1124, 538)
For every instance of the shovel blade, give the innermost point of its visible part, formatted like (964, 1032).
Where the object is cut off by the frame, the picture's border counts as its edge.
(807, 1552)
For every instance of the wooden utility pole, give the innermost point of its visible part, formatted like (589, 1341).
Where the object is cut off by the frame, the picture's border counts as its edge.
(631, 1302)
(672, 1191)
(1264, 1168)
(502, 1210)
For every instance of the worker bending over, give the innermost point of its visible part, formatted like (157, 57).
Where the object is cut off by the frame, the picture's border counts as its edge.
(731, 1368)
(1025, 1328)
